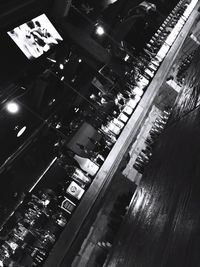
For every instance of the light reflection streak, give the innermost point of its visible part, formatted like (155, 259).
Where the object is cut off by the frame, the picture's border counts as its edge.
(43, 174)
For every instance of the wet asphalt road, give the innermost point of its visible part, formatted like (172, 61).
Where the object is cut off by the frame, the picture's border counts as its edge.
(162, 227)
